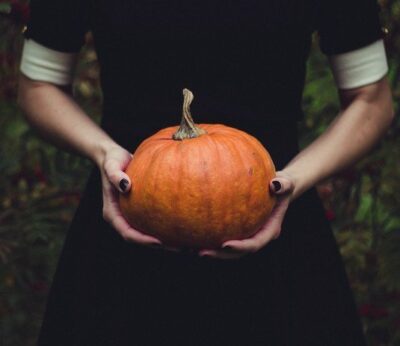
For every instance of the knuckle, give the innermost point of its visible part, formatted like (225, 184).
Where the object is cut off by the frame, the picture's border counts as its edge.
(108, 164)
(111, 170)
(113, 176)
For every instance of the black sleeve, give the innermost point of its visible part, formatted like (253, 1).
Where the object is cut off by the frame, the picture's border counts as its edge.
(58, 24)
(345, 25)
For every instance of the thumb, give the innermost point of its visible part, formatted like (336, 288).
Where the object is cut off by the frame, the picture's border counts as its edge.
(118, 178)
(281, 185)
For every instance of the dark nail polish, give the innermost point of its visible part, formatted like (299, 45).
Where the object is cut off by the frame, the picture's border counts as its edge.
(277, 185)
(123, 184)
(227, 247)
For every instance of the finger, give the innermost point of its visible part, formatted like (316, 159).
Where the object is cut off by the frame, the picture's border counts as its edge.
(131, 234)
(221, 254)
(281, 185)
(274, 223)
(269, 231)
(118, 178)
(112, 214)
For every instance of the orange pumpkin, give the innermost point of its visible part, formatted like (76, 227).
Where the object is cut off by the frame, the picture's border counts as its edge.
(199, 185)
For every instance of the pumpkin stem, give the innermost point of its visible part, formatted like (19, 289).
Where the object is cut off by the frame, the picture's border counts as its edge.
(187, 128)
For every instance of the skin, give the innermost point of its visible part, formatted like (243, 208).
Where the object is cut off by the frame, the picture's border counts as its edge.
(366, 114)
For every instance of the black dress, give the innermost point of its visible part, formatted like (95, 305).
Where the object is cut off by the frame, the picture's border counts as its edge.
(245, 63)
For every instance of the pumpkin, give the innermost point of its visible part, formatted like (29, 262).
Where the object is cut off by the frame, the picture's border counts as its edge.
(197, 186)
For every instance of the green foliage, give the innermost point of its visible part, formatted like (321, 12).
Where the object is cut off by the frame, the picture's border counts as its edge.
(40, 187)
(364, 201)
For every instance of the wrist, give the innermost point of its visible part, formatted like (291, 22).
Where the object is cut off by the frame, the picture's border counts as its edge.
(300, 182)
(100, 150)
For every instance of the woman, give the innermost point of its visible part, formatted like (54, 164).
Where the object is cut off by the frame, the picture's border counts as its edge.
(245, 62)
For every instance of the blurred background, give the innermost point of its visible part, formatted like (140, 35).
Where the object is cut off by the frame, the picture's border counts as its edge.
(40, 187)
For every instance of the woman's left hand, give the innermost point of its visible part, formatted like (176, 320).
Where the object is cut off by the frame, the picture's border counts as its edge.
(282, 186)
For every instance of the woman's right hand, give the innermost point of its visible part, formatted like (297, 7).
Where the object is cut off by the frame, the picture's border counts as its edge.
(56, 115)
(114, 180)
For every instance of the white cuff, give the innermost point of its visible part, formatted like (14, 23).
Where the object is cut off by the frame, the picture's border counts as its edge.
(359, 67)
(47, 65)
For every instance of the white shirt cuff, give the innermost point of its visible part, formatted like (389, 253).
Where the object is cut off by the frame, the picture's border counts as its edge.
(359, 67)
(47, 65)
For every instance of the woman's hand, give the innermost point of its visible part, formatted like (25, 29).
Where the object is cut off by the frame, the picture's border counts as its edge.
(282, 186)
(57, 116)
(115, 180)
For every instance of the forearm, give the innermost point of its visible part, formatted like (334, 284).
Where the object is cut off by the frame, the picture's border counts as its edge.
(364, 119)
(60, 120)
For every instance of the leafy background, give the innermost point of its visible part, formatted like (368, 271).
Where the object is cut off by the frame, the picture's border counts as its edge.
(40, 187)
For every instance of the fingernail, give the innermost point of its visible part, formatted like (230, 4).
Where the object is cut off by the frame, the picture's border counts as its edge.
(227, 247)
(277, 185)
(123, 184)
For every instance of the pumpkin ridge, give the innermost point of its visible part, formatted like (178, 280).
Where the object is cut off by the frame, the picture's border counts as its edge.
(245, 163)
(261, 155)
(180, 173)
(199, 191)
(237, 156)
(207, 192)
(222, 146)
(152, 181)
(222, 216)
(260, 148)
